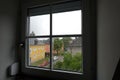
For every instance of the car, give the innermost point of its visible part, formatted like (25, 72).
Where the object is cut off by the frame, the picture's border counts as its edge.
(55, 58)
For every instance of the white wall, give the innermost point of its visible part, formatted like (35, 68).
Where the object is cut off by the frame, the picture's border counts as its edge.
(108, 37)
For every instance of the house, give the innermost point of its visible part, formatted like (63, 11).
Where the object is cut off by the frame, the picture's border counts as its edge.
(39, 49)
(75, 46)
(37, 52)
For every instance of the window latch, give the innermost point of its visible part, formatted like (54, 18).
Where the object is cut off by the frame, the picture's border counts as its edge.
(22, 44)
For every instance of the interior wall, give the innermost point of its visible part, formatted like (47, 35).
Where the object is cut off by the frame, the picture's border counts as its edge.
(108, 38)
(9, 14)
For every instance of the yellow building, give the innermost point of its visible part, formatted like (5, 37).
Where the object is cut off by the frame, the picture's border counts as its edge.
(37, 52)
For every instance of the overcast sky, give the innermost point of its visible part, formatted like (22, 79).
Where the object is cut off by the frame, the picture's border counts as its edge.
(63, 23)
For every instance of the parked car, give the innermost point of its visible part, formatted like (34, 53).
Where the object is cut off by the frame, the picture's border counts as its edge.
(55, 58)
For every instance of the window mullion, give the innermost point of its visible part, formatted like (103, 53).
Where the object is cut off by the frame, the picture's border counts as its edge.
(51, 66)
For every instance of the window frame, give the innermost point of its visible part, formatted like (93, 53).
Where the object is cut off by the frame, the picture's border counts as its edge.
(89, 43)
(50, 36)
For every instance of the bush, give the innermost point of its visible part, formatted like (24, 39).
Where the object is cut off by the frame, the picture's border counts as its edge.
(71, 63)
(58, 65)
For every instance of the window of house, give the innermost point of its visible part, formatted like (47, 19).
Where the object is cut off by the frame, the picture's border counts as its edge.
(55, 41)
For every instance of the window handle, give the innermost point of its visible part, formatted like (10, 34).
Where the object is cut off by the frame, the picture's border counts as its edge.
(22, 44)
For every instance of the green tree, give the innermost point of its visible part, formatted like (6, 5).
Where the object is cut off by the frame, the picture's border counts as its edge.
(76, 62)
(57, 44)
(58, 65)
(70, 62)
(66, 42)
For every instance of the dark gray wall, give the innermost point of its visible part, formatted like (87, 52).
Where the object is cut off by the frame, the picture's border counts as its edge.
(108, 37)
(9, 10)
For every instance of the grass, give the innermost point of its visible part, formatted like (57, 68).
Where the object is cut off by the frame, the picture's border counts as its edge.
(37, 63)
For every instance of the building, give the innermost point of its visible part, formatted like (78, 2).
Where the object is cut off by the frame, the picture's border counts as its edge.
(75, 46)
(37, 52)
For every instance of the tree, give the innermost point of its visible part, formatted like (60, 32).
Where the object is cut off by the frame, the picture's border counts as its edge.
(32, 33)
(66, 42)
(57, 44)
(70, 62)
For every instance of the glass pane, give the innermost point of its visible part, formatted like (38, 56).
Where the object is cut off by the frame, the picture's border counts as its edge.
(39, 50)
(67, 54)
(67, 23)
(39, 25)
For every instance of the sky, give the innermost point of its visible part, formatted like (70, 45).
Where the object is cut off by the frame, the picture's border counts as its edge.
(64, 23)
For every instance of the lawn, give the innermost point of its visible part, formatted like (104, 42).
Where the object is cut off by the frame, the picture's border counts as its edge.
(37, 63)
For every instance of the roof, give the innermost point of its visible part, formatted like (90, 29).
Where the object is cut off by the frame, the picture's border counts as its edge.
(77, 42)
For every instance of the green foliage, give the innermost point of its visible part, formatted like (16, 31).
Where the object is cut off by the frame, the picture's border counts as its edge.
(66, 41)
(58, 64)
(37, 63)
(76, 62)
(57, 44)
(67, 60)
(70, 62)
(62, 53)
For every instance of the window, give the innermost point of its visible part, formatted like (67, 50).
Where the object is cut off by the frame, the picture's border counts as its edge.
(58, 41)
(65, 41)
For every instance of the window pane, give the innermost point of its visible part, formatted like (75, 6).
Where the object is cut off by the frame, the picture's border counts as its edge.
(39, 50)
(67, 54)
(39, 25)
(67, 23)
